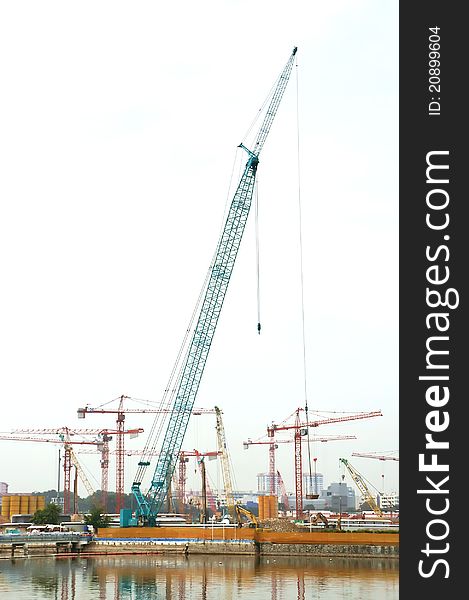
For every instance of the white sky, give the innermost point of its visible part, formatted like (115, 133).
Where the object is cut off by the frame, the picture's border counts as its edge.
(119, 123)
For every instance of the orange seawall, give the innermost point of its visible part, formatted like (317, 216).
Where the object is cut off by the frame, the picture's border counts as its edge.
(245, 533)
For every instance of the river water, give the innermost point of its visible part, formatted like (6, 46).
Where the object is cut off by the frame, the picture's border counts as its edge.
(196, 577)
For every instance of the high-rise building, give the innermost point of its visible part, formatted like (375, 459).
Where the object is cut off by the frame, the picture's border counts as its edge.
(263, 483)
(3, 488)
(313, 484)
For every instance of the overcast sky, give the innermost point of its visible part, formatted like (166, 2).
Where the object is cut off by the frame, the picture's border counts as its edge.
(119, 126)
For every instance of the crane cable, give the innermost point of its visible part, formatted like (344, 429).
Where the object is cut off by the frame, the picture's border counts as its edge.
(300, 227)
(256, 210)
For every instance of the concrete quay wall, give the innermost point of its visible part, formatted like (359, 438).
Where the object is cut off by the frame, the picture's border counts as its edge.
(244, 541)
(246, 547)
(343, 550)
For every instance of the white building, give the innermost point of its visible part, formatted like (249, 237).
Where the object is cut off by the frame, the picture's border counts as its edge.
(388, 501)
(313, 484)
(263, 483)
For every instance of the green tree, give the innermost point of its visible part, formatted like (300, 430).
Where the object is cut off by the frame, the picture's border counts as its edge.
(50, 514)
(97, 518)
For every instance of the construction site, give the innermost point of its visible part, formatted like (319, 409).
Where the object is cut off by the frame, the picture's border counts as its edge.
(184, 499)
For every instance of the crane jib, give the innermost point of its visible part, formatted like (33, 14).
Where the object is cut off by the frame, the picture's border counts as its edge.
(150, 504)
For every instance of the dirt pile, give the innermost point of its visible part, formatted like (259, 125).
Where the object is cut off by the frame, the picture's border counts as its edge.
(280, 525)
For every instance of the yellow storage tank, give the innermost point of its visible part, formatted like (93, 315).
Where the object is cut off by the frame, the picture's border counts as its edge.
(32, 504)
(273, 506)
(21, 504)
(268, 507)
(6, 506)
(262, 508)
(24, 505)
(14, 505)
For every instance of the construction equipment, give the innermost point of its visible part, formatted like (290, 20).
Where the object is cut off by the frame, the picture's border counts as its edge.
(121, 411)
(195, 358)
(68, 460)
(300, 431)
(319, 517)
(244, 512)
(183, 459)
(376, 455)
(225, 464)
(361, 485)
(274, 445)
(181, 482)
(283, 491)
(105, 437)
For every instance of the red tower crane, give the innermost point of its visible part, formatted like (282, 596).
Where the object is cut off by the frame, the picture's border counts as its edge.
(300, 430)
(273, 445)
(69, 460)
(105, 437)
(120, 411)
(183, 459)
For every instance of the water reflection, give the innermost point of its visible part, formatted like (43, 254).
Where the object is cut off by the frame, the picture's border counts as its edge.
(198, 577)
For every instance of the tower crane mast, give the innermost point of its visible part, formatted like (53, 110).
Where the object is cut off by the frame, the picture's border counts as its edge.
(149, 504)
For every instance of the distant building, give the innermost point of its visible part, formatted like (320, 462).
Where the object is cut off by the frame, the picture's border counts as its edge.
(243, 497)
(339, 497)
(313, 484)
(263, 483)
(3, 491)
(388, 501)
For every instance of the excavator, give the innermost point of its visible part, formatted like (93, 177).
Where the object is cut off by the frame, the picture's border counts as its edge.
(244, 512)
(319, 517)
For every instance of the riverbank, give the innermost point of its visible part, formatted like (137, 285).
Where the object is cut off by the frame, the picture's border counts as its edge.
(196, 540)
(244, 541)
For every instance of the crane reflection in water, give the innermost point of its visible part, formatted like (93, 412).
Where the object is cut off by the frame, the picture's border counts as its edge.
(206, 577)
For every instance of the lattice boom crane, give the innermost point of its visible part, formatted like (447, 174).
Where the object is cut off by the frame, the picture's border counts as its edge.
(190, 375)
(361, 485)
(225, 464)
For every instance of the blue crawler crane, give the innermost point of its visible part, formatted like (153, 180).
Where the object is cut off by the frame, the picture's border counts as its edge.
(188, 380)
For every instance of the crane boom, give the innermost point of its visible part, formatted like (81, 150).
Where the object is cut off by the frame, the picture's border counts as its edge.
(81, 473)
(225, 464)
(149, 505)
(361, 485)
